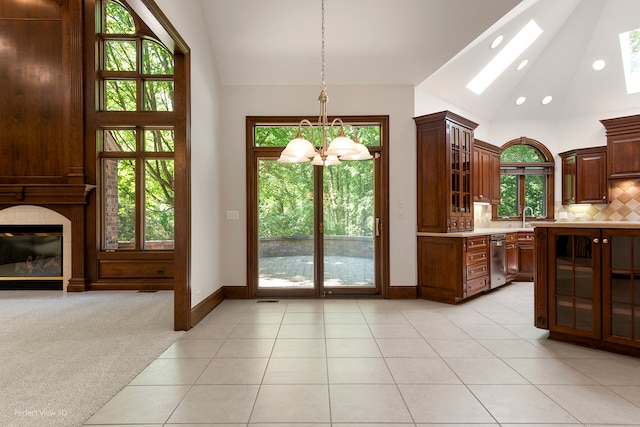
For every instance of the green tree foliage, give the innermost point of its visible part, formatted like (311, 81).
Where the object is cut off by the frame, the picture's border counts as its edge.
(126, 201)
(521, 153)
(535, 185)
(509, 195)
(121, 55)
(285, 198)
(117, 20)
(286, 195)
(634, 42)
(159, 201)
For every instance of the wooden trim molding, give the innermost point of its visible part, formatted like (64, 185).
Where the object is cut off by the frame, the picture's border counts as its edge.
(236, 292)
(206, 306)
(403, 292)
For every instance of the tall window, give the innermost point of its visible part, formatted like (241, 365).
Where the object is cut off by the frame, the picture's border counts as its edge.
(135, 87)
(526, 180)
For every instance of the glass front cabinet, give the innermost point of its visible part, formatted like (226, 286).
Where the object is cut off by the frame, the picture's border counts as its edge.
(588, 286)
(621, 286)
(574, 282)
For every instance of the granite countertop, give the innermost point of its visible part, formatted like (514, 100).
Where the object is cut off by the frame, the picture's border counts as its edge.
(477, 232)
(558, 224)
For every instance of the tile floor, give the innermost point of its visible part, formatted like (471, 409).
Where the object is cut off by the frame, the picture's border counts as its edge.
(378, 363)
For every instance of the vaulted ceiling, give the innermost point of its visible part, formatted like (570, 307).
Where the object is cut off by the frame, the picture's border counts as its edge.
(438, 45)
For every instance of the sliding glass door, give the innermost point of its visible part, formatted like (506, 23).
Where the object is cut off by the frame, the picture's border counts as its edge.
(314, 231)
(285, 225)
(348, 223)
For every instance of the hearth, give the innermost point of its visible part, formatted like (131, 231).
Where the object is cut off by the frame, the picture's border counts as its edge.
(31, 257)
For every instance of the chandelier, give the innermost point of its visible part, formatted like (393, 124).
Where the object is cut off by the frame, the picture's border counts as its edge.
(300, 150)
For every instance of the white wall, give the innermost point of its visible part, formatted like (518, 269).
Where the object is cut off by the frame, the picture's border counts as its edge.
(206, 171)
(395, 101)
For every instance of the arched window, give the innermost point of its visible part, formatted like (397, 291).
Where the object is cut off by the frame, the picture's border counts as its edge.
(135, 138)
(526, 180)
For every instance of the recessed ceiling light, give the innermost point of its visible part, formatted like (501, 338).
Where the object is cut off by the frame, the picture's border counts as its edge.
(599, 65)
(516, 46)
(521, 100)
(522, 64)
(547, 99)
(496, 42)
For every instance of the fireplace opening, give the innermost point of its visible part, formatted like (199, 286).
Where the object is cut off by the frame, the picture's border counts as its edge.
(31, 257)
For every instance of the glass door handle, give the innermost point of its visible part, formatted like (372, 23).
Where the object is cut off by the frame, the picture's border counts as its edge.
(377, 227)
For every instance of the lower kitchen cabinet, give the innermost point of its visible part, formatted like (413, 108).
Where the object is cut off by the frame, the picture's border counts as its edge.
(621, 287)
(511, 256)
(588, 286)
(451, 269)
(526, 263)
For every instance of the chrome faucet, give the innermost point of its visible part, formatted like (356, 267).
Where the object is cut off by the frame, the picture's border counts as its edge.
(524, 211)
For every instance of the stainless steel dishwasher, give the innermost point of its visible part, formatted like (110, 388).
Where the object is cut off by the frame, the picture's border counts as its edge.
(498, 260)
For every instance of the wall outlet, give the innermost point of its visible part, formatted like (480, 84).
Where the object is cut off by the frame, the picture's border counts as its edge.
(233, 215)
(400, 210)
(563, 215)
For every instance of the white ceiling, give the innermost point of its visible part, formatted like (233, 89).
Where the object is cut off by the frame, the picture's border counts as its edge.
(437, 44)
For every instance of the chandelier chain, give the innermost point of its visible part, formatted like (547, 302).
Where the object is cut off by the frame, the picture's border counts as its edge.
(342, 147)
(322, 43)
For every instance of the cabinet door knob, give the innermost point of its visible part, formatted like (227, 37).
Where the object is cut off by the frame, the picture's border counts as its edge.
(596, 240)
(605, 241)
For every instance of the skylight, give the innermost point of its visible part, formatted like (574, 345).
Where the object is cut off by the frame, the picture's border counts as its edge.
(630, 48)
(525, 37)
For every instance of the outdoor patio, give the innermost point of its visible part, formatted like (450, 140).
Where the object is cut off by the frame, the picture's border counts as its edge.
(297, 271)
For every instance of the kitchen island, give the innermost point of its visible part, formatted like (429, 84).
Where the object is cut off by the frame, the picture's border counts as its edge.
(587, 283)
(455, 266)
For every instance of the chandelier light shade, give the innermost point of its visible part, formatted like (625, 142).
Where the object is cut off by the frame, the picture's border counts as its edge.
(342, 147)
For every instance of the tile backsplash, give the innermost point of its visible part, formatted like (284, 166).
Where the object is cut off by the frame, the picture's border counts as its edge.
(624, 206)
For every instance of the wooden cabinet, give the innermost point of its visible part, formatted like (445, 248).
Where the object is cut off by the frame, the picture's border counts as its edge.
(569, 176)
(574, 281)
(511, 256)
(584, 176)
(587, 287)
(621, 287)
(477, 265)
(526, 265)
(451, 269)
(623, 147)
(486, 172)
(444, 172)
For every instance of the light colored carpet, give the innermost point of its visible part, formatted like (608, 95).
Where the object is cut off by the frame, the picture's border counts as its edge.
(63, 356)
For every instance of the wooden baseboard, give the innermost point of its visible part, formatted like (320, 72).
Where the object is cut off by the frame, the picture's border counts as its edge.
(129, 286)
(77, 285)
(235, 292)
(403, 292)
(206, 306)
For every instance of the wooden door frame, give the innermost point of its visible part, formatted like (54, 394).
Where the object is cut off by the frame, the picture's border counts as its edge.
(381, 173)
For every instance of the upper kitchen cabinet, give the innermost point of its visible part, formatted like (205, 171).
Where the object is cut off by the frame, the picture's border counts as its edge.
(444, 163)
(623, 147)
(584, 176)
(486, 172)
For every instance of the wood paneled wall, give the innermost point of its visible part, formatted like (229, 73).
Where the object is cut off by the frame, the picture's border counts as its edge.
(41, 113)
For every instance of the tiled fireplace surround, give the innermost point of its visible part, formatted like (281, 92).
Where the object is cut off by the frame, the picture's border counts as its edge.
(36, 215)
